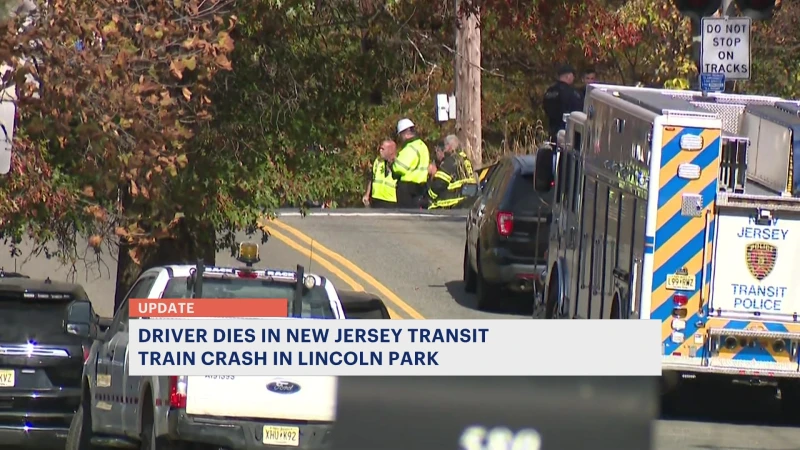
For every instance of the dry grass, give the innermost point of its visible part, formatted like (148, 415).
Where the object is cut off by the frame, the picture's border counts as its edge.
(523, 143)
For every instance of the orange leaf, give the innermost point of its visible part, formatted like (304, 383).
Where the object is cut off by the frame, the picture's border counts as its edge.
(223, 62)
(176, 67)
(95, 241)
(187, 94)
(225, 41)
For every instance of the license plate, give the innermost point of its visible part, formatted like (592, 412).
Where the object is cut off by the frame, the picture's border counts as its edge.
(677, 282)
(288, 436)
(6, 378)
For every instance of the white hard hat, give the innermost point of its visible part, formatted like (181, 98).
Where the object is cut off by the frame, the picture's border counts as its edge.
(403, 125)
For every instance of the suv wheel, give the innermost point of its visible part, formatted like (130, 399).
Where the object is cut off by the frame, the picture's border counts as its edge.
(469, 274)
(485, 291)
(79, 436)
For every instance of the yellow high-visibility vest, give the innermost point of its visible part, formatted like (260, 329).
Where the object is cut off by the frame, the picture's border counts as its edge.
(412, 162)
(384, 187)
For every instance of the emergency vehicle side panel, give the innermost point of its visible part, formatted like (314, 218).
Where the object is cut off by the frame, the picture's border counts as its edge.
(683, 235)
(609, 275)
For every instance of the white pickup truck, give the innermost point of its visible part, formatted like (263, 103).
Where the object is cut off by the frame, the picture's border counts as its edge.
(176, 412)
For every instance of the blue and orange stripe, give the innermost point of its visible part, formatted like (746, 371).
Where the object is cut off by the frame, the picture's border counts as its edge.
(679, 239)
(763, 353)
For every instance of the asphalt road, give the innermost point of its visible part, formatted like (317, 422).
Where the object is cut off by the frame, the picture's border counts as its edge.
(418, 274)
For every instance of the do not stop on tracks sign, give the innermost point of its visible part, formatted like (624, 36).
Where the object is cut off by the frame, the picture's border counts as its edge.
(726, 47)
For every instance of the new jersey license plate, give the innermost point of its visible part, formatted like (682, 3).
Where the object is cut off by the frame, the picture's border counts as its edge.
(288, 436)
(7, 378)
(677, 282)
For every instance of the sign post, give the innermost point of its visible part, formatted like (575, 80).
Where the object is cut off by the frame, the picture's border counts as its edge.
(8, 112)
(725, 51)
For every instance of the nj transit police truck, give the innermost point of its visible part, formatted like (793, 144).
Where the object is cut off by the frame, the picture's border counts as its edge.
(679, 207)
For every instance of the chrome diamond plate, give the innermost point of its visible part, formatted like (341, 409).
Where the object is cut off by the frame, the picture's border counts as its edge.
(754, 334)
(730, 114)
(759, 366)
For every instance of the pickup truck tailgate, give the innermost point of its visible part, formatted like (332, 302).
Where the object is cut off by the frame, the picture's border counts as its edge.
(284, 398)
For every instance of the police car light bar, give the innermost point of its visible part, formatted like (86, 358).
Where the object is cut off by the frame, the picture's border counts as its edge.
(285, 276)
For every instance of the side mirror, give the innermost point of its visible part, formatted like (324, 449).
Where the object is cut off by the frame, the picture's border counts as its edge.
(543, 172)
(85, 330)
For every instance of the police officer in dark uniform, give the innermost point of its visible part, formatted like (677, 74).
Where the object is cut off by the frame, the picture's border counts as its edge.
(561, 98)
(589, 77)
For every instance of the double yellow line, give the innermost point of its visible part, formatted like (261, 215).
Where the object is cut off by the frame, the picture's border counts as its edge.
(393, 301)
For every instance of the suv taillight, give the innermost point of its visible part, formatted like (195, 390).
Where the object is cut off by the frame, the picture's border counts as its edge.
(177, 392)
(85, 353)
(505, 223)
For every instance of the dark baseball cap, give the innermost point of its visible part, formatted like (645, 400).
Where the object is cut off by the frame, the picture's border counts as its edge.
(565, 69)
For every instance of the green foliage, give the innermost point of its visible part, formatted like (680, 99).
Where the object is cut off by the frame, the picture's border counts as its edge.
(315, 91)
(776, 68)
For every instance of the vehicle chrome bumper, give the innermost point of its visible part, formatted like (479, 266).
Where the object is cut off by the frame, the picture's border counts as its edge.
(33, 437)
(242, 434)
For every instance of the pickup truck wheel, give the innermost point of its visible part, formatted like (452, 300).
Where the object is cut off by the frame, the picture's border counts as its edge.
(149, 439)
(80, 430)
(469, 274)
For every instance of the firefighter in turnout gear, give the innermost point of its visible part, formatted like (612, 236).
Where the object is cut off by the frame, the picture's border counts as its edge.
(382, 187)
(454, 172)
(410, 168)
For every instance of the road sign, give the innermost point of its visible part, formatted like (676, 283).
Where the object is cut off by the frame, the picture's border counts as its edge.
(726, 47)
(712, 82)
(8, 111)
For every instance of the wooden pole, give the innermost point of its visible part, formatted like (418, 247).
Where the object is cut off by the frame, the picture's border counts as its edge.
(468, 83)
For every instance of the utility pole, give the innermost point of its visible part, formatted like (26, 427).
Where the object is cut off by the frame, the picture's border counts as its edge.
(468, 82)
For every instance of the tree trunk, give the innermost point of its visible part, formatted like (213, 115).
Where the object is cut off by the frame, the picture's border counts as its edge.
(193, 241)
(468, 83)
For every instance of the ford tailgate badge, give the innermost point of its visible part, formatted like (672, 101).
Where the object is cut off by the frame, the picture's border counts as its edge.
(283, 387)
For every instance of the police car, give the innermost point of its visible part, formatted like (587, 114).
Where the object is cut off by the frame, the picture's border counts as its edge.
(122, 411)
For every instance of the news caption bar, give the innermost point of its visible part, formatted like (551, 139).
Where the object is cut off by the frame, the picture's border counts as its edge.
(242, 337)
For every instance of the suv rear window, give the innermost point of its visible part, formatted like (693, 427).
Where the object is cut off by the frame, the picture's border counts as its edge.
(523, 197)
(24, 319)
(316, 303)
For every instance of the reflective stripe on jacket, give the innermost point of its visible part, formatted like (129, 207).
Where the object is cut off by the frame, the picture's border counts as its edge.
(462, 174)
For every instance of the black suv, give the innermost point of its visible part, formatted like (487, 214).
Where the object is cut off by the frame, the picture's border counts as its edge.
(507, 233)
(46, 331)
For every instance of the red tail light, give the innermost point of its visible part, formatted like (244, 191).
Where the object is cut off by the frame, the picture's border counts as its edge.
(85, 353)
(177, 392)
(680, 299)
(505, 223)
(246, 274)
